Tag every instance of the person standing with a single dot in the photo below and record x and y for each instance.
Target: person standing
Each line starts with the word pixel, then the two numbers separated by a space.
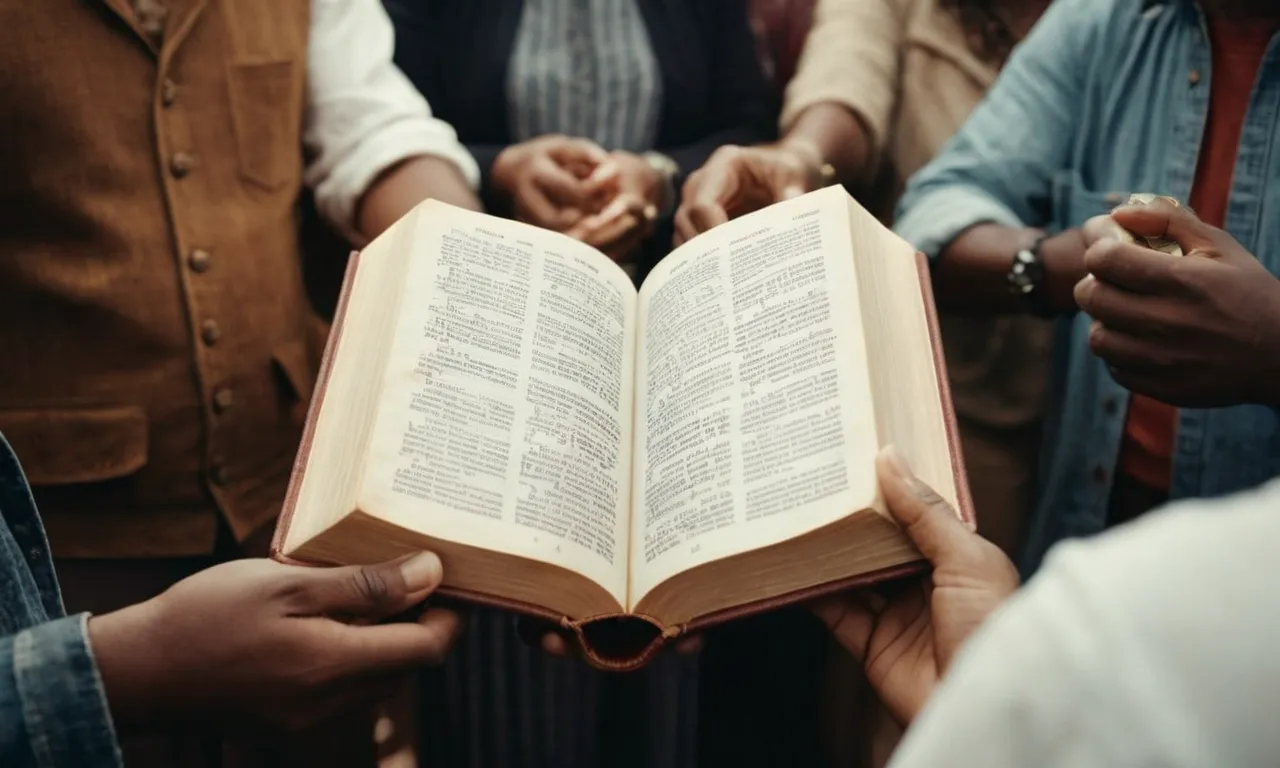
pixel 586 117
pixel 160 348
pixel 1169 387
pixel 880 87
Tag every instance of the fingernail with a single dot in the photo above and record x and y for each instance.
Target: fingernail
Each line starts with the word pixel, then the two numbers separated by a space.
pixel 901 467
pixel 421 571
pixel 791 192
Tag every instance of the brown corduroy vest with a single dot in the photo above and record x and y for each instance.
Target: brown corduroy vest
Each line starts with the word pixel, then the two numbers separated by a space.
pixel 156 345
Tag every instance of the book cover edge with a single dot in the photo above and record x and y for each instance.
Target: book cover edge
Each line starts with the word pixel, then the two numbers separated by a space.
pixel 964 498
pixel 313 413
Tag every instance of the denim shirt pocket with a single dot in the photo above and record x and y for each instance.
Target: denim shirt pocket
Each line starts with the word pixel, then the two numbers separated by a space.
pixel 1074 202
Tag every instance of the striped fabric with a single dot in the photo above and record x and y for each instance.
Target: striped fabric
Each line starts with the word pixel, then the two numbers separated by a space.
pixel 585 68
pixel 497 703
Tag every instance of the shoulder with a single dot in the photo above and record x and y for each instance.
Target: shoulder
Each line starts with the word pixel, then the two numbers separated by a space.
pixel 1072 22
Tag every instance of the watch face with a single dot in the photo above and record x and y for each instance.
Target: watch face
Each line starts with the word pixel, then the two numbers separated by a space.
pixel 1022 277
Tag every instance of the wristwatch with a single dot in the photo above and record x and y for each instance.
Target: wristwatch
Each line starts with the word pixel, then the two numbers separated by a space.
pixel 1026 279
pixel 667 170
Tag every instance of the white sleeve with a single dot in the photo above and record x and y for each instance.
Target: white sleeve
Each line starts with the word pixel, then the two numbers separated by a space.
pixel 363 115
pixel 1151 645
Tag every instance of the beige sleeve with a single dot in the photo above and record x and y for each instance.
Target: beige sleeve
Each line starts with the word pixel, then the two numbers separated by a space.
pixel 851 58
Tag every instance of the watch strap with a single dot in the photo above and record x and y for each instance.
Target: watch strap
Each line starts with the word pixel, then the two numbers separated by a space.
pixel 1026 279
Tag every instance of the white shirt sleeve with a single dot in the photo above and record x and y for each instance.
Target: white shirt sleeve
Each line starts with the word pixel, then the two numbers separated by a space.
pixel 363 115
pixel 1153 645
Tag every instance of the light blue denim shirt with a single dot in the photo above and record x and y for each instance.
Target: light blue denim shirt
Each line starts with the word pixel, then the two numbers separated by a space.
pixel 1105 98
pixel 53 711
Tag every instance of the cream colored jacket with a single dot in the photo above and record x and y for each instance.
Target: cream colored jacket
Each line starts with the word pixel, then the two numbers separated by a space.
pixel 904 67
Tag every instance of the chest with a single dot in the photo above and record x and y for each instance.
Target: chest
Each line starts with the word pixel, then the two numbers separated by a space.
pixel 1146 127
pixel 67 64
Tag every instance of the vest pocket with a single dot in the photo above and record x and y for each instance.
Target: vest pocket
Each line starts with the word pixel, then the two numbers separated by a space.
pixel 296 373
pixel 266 115
pixel 69 446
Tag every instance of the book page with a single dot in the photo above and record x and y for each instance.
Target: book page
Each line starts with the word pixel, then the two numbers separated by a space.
pixel 505 420
pixel 754 420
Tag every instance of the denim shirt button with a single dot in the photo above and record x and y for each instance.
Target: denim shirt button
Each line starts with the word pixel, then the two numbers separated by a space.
pixel 1110 406
pixel 34 554
pixel 1194 77
pixel 1099 474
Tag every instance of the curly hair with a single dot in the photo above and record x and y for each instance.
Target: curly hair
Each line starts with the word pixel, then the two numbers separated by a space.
pixel 987 35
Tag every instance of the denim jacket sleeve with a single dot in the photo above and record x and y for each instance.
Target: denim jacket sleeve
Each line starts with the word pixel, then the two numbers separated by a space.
pixel 53 711
pixel 1000 167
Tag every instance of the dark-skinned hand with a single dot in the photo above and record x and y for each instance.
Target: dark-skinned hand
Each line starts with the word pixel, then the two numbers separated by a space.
pixel 631 190
pixel 738 180
pixel 546 180
pixel 1199 330
pixel 258 644
pixel 907 639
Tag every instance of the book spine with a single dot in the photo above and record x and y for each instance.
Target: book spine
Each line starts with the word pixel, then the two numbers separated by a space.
pixel 313 415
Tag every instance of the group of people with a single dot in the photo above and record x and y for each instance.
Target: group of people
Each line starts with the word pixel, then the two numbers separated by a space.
pixel 153 173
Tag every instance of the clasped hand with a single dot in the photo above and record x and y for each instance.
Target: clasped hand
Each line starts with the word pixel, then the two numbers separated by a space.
pixel 606 200
pixel 1199 330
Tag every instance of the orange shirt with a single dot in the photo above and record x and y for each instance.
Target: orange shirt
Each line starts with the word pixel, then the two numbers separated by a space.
pixel 1146 453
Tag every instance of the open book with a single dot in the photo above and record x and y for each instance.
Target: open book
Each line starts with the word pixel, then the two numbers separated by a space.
pixel 700 449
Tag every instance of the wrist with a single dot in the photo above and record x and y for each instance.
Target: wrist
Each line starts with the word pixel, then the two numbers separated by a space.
pixel 1063 257
pixel 808 155
pixel 127 652
pixel 1026 275
pixel 1044 271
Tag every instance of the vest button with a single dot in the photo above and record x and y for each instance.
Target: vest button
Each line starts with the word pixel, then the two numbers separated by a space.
pixel 218 472
pixel 181 164
pixel 199 260
pixel 223 399
pixel 168 93
pixel 210 332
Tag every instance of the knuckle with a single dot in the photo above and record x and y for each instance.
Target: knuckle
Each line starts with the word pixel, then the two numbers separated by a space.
pixel 930 498
pixel 1101 256
pixel 1096 228
pixel 1188 276
pixel 1097 336
pixel 728 153
pixel 296 595
pixel 371 584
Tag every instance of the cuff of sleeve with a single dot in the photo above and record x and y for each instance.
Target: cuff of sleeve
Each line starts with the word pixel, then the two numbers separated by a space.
pixel 64 704
pixel 931 222
pixel 339 195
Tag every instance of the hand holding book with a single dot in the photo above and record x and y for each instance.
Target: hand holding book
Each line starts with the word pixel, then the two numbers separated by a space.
pixel 971 577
